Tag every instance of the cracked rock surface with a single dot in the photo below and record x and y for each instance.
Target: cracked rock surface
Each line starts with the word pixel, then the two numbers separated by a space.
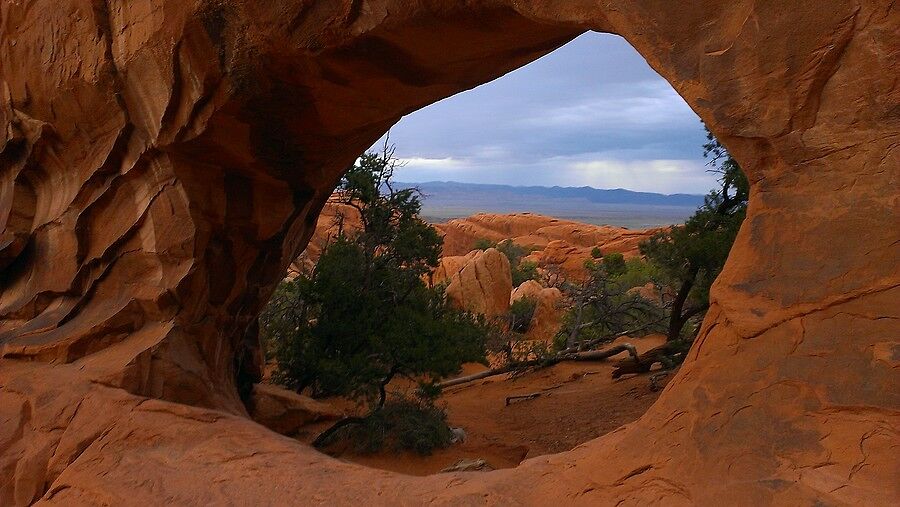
pixel 482 285
pixel 163 161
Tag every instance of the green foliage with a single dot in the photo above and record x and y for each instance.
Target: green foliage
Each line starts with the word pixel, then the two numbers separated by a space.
pixel 526 270
pixel 512 251
pixel 521 270
pixel 403 424
pixel 696 250
pixel 614 264
pixel 521 311
pixel 732 179
pixel 638 273
pixel 279 319
pixel 428 391
pixel 483 244
pixel 511 347
pixel 561 338
pixel 596 253
pixel 364 315
pixel 691 256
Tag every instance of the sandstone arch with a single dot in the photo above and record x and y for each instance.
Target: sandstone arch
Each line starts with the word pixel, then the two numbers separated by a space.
pixel 163 160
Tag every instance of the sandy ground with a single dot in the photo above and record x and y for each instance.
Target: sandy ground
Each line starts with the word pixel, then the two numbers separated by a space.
pixel 577 402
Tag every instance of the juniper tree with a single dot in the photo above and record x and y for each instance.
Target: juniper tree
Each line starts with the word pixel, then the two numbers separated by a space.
pixel 364 316
pixel 692 255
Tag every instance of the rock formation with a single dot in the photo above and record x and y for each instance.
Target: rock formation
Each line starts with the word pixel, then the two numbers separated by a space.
pixel 162 162
pixel 561 245
pixel 285 412
pixel 482 285
pixel 548 312
pixel 533 230
pixel 450 266
pixel 565 259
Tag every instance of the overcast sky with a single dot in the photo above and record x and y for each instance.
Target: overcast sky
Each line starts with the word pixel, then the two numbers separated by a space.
pixel 590 113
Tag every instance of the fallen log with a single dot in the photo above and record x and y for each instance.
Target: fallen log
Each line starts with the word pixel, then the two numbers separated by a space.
pixel 475 376
pixel 590 355
pixel 597 355
pixel 523 397
pixel 668 354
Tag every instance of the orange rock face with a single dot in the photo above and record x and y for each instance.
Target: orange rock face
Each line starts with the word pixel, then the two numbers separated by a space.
pixel 162 163
pixel 482 285
pixel 548 312
pixel 450 266
pixel 561 245
pixel 533 230
pixel 285 412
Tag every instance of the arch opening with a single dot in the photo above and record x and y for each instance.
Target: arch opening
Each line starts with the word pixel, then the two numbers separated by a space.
pixel 591 129
pixel 196 138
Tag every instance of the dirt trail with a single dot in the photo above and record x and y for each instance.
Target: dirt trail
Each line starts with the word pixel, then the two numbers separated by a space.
pixel 578 402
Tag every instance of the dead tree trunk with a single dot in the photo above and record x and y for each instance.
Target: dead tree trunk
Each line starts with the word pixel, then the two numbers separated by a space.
pixel 591 355
pixel 669 354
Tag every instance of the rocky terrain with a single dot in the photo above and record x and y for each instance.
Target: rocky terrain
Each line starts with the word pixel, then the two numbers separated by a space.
pixel 539 232
pixel 483 284
pixel 163 162
pixel 563 244
pixel 574 403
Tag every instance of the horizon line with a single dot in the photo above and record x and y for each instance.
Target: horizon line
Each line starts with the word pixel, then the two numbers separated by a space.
pixel 544 186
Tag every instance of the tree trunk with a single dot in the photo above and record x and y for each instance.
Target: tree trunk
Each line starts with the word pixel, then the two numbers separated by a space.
pixel 382 389
pixel 576 327
pixel 677 320
pixel 475 376
pixel 323 438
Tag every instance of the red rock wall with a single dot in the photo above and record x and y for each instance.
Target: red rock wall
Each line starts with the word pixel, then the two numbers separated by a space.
pixel 163 161
pixel 560 245
pixel 533 230
pixel 482 285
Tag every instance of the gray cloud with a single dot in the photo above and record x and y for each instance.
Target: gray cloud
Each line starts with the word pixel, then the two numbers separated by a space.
pixel 591 113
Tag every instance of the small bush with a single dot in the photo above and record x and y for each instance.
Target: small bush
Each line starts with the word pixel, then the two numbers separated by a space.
pixel 559 341
pixel 521 270
pixel 596 253
pixel 483 244
pixel 526 270
pixel 512 251
pixel 614 264
pixel 402 424
pixel 521 311
pixel 601 307
pixel 638 272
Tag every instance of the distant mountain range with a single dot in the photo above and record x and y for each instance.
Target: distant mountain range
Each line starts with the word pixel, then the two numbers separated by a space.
pixel 443 190
pixel 444 200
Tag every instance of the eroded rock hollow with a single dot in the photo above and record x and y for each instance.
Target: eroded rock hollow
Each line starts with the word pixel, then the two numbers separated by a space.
pixel 163 161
